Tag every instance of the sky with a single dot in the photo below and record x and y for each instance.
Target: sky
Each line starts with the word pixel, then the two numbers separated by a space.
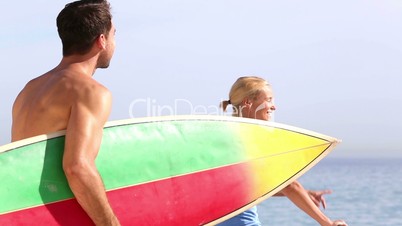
pixel 335 66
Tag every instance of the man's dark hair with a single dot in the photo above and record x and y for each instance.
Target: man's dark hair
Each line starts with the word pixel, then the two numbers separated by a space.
pixel 81 22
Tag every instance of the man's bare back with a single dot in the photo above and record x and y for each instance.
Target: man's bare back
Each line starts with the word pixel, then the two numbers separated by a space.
pixel 44 105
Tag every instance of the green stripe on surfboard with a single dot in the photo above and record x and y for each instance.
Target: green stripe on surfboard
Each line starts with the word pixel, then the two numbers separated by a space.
pixel 161 154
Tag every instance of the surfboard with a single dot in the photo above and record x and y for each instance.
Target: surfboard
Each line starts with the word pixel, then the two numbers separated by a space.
pixel 173 170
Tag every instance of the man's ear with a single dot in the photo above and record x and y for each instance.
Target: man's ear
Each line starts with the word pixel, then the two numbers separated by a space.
pixel 101 41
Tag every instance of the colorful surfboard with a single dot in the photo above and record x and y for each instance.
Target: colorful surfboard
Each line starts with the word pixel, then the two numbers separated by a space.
pixel 180 170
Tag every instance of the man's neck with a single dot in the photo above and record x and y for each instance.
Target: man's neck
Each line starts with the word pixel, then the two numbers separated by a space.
pixel 82 63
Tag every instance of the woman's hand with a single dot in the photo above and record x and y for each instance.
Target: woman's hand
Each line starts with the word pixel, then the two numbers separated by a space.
pixel 318 197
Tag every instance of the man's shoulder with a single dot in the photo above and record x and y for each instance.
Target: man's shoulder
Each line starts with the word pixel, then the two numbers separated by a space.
pixel 93 97
pixel 91 86
pixel 29 88
pixel 90 92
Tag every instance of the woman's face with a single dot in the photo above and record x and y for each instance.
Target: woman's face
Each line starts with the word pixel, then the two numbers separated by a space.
pixel 261 107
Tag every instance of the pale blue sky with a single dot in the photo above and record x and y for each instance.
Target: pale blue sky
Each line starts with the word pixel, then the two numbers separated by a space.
pixel 335 66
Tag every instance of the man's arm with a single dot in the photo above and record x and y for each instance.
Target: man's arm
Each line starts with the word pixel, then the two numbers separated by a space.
pixel 83 138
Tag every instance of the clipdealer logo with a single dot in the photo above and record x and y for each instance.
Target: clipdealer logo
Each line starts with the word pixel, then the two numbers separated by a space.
pixel 180 106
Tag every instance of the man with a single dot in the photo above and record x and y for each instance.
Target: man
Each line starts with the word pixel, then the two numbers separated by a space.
pixel 67 97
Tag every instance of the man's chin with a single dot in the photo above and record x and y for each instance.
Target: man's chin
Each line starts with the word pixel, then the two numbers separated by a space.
pixel 103 66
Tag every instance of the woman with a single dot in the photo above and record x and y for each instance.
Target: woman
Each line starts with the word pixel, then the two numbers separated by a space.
pixel 252 97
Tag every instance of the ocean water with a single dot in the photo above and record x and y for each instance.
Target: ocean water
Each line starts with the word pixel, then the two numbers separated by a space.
pixel 364 192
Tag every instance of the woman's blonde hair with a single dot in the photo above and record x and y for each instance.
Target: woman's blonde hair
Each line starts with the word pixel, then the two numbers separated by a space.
pixel 244 87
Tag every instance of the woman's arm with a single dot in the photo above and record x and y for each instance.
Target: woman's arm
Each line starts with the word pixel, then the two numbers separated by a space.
pixel 309 202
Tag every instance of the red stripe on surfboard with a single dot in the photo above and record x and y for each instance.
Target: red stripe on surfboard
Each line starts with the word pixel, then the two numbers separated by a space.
pixel 191 199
